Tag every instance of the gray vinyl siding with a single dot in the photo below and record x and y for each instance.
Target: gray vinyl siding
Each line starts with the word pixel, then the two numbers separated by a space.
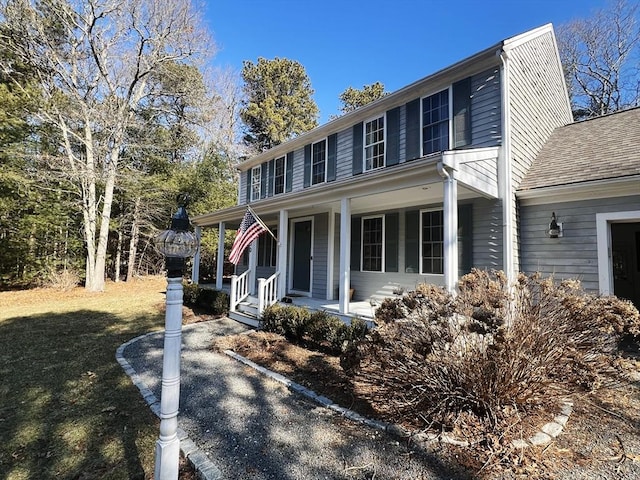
pixel 298 170
pixel 538 100
pixel 242 188
pixel 486 109
pixel 403 134
pixel 320 255
pixel 264 272
pixel 575 255
pixel 487 234
pixel 336 256
pixel 344 154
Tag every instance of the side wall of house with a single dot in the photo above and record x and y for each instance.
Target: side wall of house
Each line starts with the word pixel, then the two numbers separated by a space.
pixel 575 255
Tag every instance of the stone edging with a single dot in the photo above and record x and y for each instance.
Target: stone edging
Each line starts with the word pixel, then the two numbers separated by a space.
pixel 205 468
pixel 548 432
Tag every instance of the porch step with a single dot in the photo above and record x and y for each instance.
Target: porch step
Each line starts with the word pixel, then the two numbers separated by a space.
pixel 248 308
pixel 241 317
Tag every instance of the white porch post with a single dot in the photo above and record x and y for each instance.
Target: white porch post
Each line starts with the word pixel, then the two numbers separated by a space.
pixel 195 270
pixel 283 238
pixel 220 257
pixel 345 254
pixel 450 229
pixel 253 263
pixel 331 253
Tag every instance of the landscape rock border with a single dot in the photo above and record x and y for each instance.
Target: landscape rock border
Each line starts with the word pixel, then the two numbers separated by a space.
pixel 545 435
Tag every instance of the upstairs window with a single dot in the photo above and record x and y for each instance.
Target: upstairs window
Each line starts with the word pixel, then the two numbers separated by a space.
pixel 432 242
pixel 373 244
pixel 435 123
pixel 279 175
pixel 256 176
pixel 318 162
pixel 374 144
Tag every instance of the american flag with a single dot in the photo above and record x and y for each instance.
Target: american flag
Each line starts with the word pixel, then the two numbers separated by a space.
pixel 250 228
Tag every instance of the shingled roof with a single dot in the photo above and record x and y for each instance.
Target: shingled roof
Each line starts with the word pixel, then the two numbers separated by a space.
pixel 601 148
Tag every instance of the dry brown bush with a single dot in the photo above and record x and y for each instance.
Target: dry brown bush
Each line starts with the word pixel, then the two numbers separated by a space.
pixel 493 352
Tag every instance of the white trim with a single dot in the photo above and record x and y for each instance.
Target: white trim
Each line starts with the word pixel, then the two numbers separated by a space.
pixel 326 161
pixel 345 255
pixel 259 183
pixel 369 217
pixel 281 259
pixel 291 256
pixel 382 115
pixel 606 188
pixel 449 90
pixel 505 181
pixel 603 235
pixel 220 257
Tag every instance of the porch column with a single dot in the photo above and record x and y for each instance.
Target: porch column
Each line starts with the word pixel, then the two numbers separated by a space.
pixel 331 254
pixel 450 228
pixel 253 263
pixel 195 270
pixel 281 260
pixel 220 257
pixel 345 254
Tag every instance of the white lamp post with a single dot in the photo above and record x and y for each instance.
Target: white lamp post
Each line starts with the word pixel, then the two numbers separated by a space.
pixel 176 244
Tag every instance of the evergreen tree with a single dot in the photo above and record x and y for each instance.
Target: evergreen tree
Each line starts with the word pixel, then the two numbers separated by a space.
pixel 352 98
pixel 278 104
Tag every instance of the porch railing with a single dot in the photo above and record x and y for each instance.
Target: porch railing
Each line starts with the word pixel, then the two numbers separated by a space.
pixel 239 289
pixel 267 292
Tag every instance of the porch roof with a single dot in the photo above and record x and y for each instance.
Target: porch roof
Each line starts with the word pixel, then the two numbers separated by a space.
pixel 418 181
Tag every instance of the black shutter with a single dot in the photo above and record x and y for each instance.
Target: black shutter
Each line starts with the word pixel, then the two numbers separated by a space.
pixel 272 166
pixel 264 179
pixel 307 165
pixel 412 242
pixel 249 185
pixel 393 137
pixel 356 229
pixel 465 239
pixel 413 129
pixel 357 149
pixel 332 153
pixel 462 113
pixel 289 174
pixel 391 242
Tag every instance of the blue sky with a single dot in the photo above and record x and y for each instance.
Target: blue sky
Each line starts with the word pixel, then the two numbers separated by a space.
pixel 353 43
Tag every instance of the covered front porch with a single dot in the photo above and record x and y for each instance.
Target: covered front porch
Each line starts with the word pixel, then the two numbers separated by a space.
pixel 318 259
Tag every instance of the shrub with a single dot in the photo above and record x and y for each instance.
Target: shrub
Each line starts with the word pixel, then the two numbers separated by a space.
pixel 288 321
pixel 190 293
pixel 489 350
pixel 64 279
pixel 211 301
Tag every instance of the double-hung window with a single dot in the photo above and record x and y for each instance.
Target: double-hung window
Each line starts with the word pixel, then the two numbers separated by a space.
pixel 435 123
pixel 256 176
pixel 432 242
pixel 374 143
pixel 279 175
pixel 373 244
pixel 319 162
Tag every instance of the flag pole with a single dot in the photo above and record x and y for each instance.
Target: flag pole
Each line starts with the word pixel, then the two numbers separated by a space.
pixel 259 220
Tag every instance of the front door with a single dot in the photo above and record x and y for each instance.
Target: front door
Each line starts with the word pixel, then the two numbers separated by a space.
pixel 301 270
pixel 625 249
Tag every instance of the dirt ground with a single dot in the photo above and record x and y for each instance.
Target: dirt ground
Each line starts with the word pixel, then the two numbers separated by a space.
pixel 601 439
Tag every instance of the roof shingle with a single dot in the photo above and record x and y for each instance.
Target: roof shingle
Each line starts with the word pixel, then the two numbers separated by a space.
pixel 601 148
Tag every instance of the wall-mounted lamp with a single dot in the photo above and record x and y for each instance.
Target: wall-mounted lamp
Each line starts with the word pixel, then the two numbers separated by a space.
pixel 555 228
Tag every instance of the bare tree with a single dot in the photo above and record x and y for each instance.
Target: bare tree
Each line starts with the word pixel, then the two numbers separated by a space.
pixel 96 61
pixel 601 58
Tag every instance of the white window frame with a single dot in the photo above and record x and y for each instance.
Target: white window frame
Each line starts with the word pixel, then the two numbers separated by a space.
pixel 383 142
pixel 421 257
pixel 256 186
pixel 449 90
pixel 326 146
pixel 284 174
pixel 382 266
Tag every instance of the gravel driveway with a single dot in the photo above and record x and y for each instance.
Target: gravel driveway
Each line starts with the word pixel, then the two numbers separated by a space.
pixel 251 427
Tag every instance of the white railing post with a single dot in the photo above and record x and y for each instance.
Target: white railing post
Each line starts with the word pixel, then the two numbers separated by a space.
pixel 234 290
pixel 261 295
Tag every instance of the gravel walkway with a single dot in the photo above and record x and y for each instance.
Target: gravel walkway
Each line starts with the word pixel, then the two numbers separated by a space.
pixel 251 427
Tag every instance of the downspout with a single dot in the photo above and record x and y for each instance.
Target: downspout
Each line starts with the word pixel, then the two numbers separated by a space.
pixel 505 175
pixel 450 213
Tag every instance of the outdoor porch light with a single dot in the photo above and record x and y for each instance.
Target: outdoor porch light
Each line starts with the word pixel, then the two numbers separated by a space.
pixel 175 244
pixel 555 228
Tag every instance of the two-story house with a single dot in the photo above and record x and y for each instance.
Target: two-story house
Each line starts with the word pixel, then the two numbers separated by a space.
pixel 418 186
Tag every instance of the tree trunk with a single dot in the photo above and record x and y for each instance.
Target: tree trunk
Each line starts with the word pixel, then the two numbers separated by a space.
pixel 133 241
pixel 116 274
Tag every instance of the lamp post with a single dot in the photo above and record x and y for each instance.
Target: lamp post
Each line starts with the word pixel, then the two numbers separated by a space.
pixel 176 244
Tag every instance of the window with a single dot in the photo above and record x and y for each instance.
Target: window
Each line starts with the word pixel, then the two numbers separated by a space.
pixel 435 123
pixel 374 144
pixel 373 244
pixel 267 250
pixel 432 242
pixel 256 174
pixel 279 175
pixel 318 162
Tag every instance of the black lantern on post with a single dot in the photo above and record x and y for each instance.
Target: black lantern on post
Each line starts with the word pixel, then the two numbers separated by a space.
pixel 177 243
